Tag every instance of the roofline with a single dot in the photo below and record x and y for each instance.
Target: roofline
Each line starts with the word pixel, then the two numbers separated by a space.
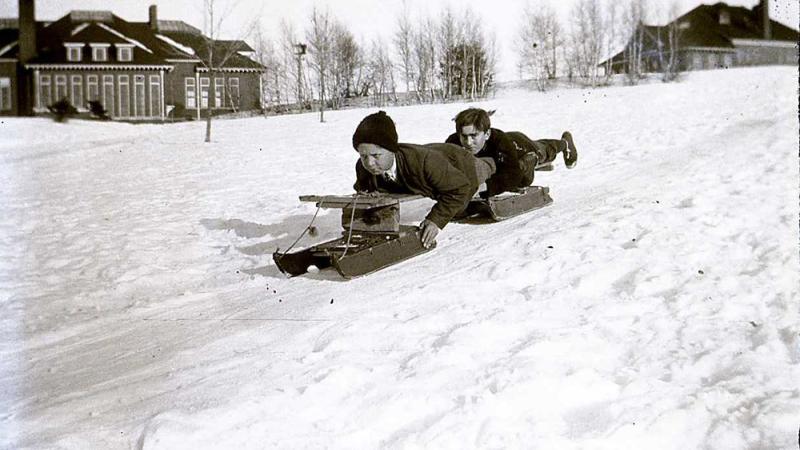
pixel 8 47
pixel 122 36
pixel 231 69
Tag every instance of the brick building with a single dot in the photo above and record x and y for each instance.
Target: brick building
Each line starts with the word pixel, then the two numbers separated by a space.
pixel 137 70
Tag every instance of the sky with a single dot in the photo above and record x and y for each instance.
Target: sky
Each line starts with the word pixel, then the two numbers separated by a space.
pixel 367 19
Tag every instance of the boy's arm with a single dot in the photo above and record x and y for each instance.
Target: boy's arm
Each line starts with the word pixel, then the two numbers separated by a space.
pixel 451 188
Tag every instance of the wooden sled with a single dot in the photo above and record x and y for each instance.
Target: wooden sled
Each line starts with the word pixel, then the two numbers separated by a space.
pixel 372 237
pixel 510 204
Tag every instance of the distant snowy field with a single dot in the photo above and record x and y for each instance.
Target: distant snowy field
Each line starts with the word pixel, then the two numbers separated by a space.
pixel 654 305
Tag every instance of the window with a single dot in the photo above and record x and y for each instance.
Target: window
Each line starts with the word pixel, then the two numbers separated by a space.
pixel 5 94
pixel 724 18
pixel 74 53
pixel 727 60
pixel 233 91
pixel 108 93
pixel 684 25
pixel 61 87
pixel 219 94
pixel 191 93
pixel 204 84
pixel 124 54
pixel 99 54
pixel 77 91
pixel 713 60
pixel 139 96
pixel 124 96
pixel 44 91
pixel 92 91
pixel 155 96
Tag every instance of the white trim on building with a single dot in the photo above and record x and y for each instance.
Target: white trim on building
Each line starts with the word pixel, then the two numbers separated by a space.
pixel 99 66
pixel 763 43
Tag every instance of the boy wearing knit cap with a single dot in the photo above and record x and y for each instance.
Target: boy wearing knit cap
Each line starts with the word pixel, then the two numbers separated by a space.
pixel 443 172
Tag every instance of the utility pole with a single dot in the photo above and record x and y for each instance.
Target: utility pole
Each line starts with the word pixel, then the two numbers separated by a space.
pixel 300 52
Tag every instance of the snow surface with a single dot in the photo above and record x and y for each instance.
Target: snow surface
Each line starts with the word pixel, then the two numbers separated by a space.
pixel 654 305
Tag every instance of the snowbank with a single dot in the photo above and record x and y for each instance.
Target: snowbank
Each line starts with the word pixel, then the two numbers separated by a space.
pixel 653 305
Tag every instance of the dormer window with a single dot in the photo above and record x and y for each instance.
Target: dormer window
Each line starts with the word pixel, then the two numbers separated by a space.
pixel 74 52
pixel 99 52
pixel 724 18
pixel 124 53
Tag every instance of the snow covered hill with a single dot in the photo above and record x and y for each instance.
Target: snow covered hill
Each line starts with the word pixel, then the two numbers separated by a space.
pixel 654 305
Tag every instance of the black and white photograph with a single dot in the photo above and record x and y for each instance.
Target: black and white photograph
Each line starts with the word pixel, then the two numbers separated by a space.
pixel 399 224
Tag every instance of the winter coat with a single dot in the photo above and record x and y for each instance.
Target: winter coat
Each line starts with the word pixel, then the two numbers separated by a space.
pixel 443 172
pixel 506 153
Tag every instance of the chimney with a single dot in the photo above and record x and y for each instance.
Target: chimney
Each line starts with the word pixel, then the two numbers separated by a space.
pixel 153 17
pixel 27 51
pixel 765 19
pixel 27 31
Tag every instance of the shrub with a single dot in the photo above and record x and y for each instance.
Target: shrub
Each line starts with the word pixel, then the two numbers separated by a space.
pixel 62 110
pixel 97 110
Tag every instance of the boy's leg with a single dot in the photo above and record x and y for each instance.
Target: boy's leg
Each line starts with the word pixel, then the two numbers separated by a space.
pixel 529 154
pixel 548 149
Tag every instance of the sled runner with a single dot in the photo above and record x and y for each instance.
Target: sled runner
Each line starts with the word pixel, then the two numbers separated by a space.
pixel 510 204
pixel 372 237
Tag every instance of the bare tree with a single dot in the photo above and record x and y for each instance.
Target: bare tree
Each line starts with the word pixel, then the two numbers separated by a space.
pixel 403 37
pixel 320 44
pixel 587 39
pixel 469 24
pixel 448 34
pixel 633 25
pixel 293 60
pixel 346 60
pixel 467 57
pixel 381 73
pixel 538 40
pixel 668 42
pixel 490 68
pixel 273 91
pixel 450 56
pixel 612 25
pixel 217 53
pixel 423 49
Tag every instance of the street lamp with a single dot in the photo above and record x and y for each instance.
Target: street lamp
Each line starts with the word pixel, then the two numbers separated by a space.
pixel 300 50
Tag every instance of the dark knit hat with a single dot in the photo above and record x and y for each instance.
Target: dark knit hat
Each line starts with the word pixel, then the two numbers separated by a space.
pixel 376 129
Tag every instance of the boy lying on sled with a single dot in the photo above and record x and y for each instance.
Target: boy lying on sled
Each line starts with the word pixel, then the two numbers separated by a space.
pixel 516 156
pixel 443 172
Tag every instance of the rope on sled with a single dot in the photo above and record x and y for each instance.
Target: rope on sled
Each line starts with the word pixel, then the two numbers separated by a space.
pixel 350 228
pixel 306 230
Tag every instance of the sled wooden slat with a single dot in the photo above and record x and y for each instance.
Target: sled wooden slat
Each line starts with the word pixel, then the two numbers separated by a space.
pixel 361 202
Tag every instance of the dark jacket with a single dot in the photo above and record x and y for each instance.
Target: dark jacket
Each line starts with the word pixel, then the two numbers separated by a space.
pixel 443 172
pixel 506 154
